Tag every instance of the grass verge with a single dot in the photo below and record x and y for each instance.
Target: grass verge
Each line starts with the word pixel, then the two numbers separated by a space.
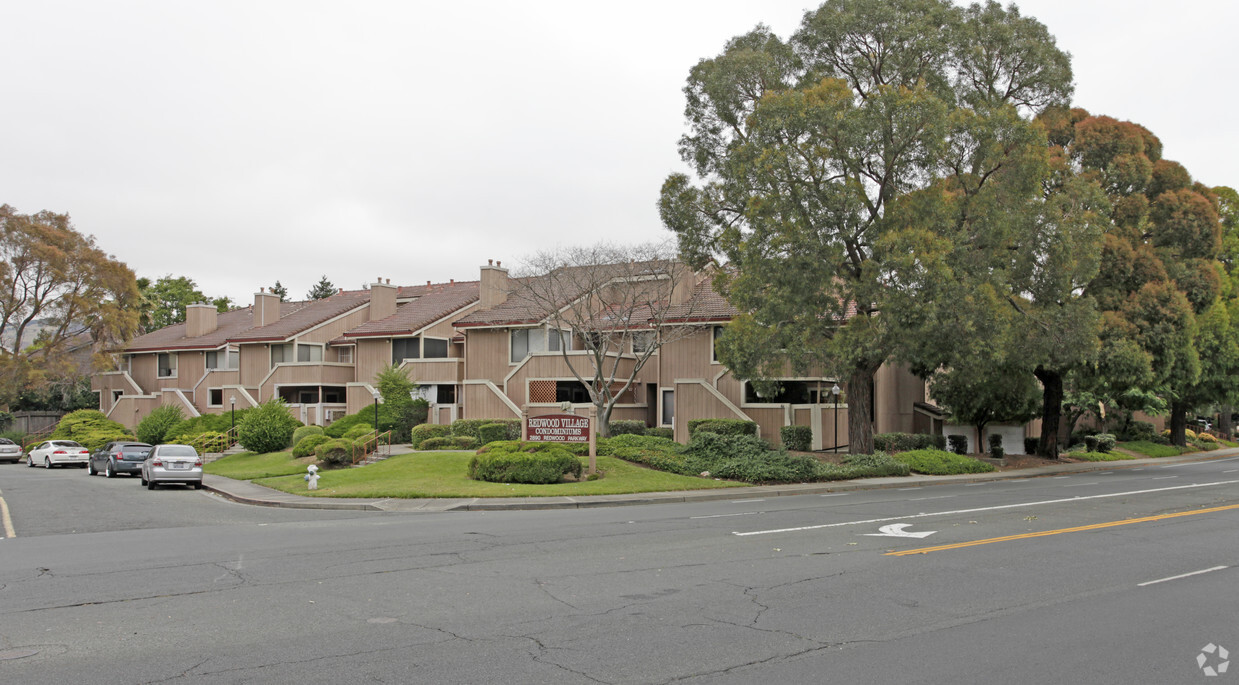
pixel 1151 449
pixel 1098 456
pixel 442 474
pixel 248 466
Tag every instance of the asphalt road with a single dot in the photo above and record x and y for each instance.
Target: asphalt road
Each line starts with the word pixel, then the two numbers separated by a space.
pixel 1111 577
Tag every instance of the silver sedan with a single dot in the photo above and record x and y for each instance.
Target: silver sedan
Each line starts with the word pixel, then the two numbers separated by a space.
pixel 58 453
pixel 172 464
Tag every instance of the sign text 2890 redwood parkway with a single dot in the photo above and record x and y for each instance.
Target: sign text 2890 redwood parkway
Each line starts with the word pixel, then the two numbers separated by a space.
pixel 557 428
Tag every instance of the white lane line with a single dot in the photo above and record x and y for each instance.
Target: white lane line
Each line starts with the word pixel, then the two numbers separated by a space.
pixel 1076 485
pixel 907 489
pixel 919 499
pixel 1184 575
pixel 1164 477
pixel 972 485
pixel 1104 473
pixel 719 516
pixel 1231 471
pixel 6 520
pixel 1060 477
pixel 746 501
pixel 837 494
pixel 1077 498
pixel 1139 469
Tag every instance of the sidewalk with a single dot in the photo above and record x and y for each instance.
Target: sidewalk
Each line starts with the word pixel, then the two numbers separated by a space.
pixel 246 492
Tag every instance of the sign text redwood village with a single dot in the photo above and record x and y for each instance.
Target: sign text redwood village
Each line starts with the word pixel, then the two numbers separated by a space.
pixel 557 428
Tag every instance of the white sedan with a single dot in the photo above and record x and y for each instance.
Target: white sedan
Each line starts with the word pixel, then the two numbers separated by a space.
pixel 58 453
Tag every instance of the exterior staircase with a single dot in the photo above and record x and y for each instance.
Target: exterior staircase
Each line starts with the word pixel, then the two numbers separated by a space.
pixel 212 456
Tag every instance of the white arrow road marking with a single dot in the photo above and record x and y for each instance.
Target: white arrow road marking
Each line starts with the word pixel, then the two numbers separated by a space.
pixel 896 530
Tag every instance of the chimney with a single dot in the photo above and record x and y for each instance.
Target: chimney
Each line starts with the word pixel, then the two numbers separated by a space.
pixel 382 299
pixel 685 282
pixel 493 285
pixel 266 308
pixel 200 319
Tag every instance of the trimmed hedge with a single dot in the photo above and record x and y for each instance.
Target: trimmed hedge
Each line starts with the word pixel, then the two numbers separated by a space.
pixel 1106 441
pixel 722 426
pixel 995 446
pixel 959 443
pixel 451 442
pixel 335 452
pixel 1030 445
pixel 267 428
pixel 903 442
pixel 538 464
pixel 626 428
pixel 304 432
pixel 797 438
pixel 941 463
pixel 426 431
pixel 307 445
pixel 491 432
pixel 469 427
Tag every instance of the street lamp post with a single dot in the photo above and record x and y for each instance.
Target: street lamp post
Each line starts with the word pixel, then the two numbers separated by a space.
pixel 232 400
pixel 376 412
pixel 834 391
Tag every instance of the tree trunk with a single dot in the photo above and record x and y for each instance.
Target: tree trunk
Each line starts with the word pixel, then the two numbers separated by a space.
pixel 860 404
pixel 1178 424
pixel 1223 421
pixel 1051 410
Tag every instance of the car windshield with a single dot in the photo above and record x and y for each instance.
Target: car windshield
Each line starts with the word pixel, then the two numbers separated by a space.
pixel 6 441
pixel 65 443
pixel 135 449
pixel 177 451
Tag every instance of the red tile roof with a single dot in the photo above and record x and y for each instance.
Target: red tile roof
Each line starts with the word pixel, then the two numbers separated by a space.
pixel 308 315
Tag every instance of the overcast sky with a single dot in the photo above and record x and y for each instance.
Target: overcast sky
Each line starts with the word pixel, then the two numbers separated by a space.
pixel 237 143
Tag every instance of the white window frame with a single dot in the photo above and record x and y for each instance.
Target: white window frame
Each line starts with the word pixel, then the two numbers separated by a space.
pixel 310 346
pixel 345 354
pixel 447 347
pixel 171 365
pixel 290 347
pixel 221 397
pixel 651 336
pixel 663 394
pixel 715 332
pixel 563 340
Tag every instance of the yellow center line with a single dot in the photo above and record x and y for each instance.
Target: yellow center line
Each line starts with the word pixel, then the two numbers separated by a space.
pixel 1044 533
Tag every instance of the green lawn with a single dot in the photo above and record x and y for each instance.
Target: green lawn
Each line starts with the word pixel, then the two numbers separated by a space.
pixel 247 465
pixel 442 474
pixel 1151 449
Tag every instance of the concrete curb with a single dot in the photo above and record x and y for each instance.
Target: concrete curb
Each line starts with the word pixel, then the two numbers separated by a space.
pixel 245 492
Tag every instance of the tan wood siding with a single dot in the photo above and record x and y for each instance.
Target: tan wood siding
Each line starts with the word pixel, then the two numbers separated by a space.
pixel 426 371
pixel 486 355
pixel 481 403
pixel 143 372
pixel 689 358
pixel 255 363
pixel 372 357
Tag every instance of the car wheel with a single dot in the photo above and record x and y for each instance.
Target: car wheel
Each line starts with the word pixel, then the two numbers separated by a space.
pixel 30 462
pixel 198 485
pixel 110 472
pixel 150 485
pixel 90 468
pixel 47 462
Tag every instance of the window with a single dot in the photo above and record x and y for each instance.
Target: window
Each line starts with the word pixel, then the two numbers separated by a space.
pixel 116 395
pixel 344 355
pixel 281 354
pixel 445 394
pixel 526 341
pixel 405 348
pixel 215 397
pixel 718 333
pixel 571 391
pixel 167 365
pixel 309 353
pixel 791 392
pixel 434 348
pixel 642 341
pixel 222 359
pixel 668 413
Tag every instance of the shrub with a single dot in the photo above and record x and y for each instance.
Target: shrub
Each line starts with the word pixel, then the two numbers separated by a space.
pixel 399 409
pixel 1030 445
pixel 340 426
pixel 469 427
pixel 995 446
pixel 1139 430
pixel 1202 437
pixel 626 428
pixel 544 466
pixel 307 445
pixel 772 467
pixel 1191 434
pixel 90 428
pixel 335 452
pixel 959 443
pixel 267 428
pixel 661 432
pixel 426 431
pixel 723 426
pixel 798 438
pixel 357 431
pixel 1105 442
pixel 451 442
pixel 208 441
pixel 16 436
pixel 185 431
pixel 1090 443
pixel 942 463
pixel 304 432
pixel 157 423
pixel 902 442
pixel 491 432
pixel 877 465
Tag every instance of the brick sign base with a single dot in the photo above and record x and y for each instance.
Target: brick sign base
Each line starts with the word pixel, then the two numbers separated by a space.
pixel 557 428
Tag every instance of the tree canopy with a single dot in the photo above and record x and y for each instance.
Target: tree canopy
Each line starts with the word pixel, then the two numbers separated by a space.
pixel 321 290
pixel 864 178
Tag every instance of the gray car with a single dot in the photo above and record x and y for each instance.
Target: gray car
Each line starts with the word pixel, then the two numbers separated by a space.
pixel 10 451
pixel 172 464
pixel 118 457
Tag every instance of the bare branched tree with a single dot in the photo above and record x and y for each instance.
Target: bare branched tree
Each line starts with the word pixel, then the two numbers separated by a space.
pixel 616 306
